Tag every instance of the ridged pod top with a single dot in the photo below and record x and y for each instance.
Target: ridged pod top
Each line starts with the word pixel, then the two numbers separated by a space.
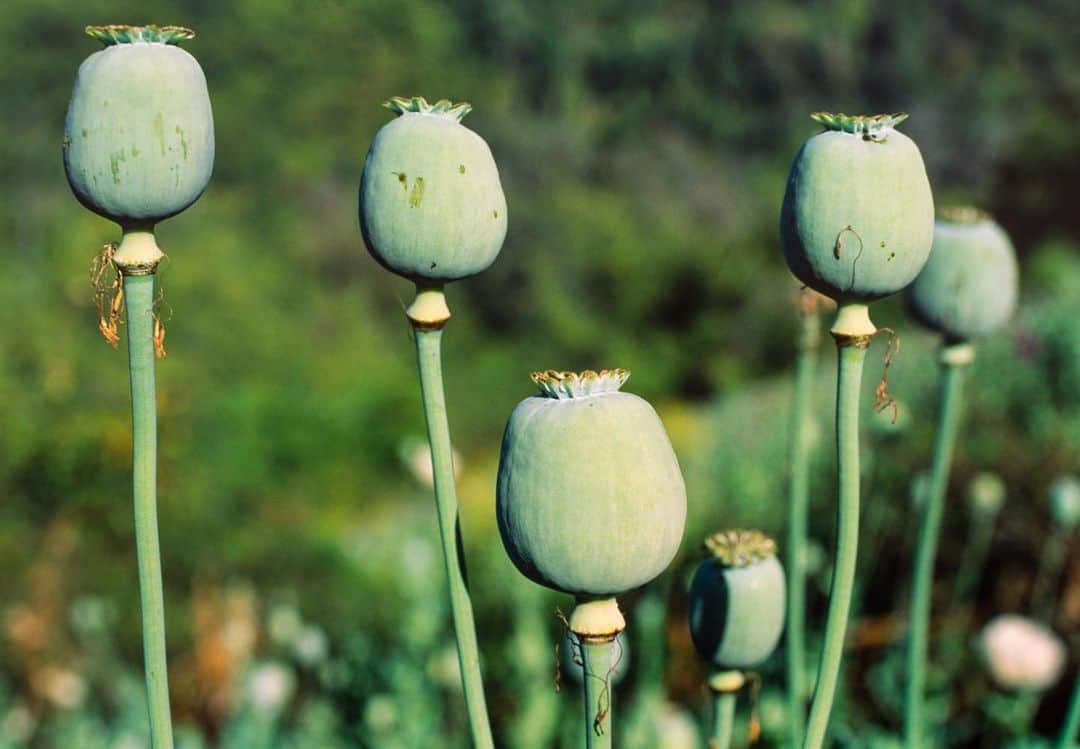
pixel 121 34
pixel 419 105
pixel 566 385
pixel 740 548
pixel 871 127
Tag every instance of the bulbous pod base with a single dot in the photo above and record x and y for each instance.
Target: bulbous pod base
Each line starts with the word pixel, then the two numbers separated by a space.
pixel 857 218
pixel 139 133
pixel 431 204
pixel 737 599
pixel 590 499
pixel 969 286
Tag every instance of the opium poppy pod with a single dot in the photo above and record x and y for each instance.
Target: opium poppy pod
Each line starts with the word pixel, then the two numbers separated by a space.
pixel 736 608
pixel 139 134
pixel 858 215
pixel 590 499
pixel 969 285
pixel 431 204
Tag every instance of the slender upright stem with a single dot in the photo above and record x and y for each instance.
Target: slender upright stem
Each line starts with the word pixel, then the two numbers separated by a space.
pixel 597 655
pixel 952 376
pixel 428 355
pixel 1051 563
pixel 798 502
pixel 139 298
pixel 973 559
pixel 723 723
pixel 1069 730
pixel 852 353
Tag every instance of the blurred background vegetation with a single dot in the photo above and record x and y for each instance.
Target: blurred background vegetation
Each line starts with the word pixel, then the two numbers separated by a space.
pixel 643 147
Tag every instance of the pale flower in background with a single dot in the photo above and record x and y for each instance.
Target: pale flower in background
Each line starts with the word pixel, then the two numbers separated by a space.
pixel 415 453
pixel 380 713
pixel 19 724
pixel 676 728
pixel 311 646
pixel 270 687
pixel 284 625
pixel 1021 653
pixel 65 689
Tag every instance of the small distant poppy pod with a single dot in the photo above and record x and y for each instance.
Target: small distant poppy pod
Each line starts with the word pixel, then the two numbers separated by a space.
pixel 139 134
pixel 431 204
pixel 969 286
pixel 737 600
pixel 1065 502
pixel 858 215
pixel 590 499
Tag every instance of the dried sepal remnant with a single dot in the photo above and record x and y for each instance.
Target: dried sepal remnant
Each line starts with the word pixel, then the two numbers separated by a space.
pixel 419 105
pixel 871 127
pixel 740 548
pixel 562 385
pixel 121 34
pixel 106 279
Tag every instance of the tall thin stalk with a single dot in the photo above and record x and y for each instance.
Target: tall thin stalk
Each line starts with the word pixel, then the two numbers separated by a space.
pixel 723 713
pixel 798 502
pixel 852 331
pixel 139 299
pixel 428 315
pixel 954 361
pixel 1051 562
pixel 597 654
pixel 1069 730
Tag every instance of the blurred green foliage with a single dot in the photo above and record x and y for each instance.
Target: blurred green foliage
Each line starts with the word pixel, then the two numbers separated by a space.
pixel 643 147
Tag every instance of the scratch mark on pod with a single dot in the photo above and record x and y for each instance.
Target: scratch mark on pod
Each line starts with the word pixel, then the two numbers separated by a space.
pixel 135 152
pixel 114 165
pixel 461 168
pixel 183 143
pixel 159 131
pixel 417 194
pixel 85 132
pixel 855 262
pixel 403 179
pixel 839 244
pixel 495 214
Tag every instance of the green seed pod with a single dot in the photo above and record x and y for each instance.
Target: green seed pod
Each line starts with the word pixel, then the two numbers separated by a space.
pixel 1065 502
pixel 858 215
pixel 969 285
pixel 431 205
pixel 590 499
pixel 139 134
pixel 737 600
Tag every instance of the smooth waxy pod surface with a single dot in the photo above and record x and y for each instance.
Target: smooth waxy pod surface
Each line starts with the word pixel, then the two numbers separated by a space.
pixel 431 204
pixel 969 286
pixel 590 498
pixel 139 134
pixel 858 215
pixel 737 599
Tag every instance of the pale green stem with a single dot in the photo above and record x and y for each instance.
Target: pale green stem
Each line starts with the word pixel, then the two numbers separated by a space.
pixel 428 355
pixel 1069 730
pixel 952 377
pixel 597 659
pixel 852 354
pixel 139 300
pixel 723 720
pixel 1051 564
pixel 798 502
pixel 974 558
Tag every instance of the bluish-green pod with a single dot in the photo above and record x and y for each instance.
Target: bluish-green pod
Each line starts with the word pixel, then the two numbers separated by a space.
pixel 969 286
pixel 590 498
pixel 737 599
pixel 858 215
pixel 1065 502
pixel 431 204
pixel 139 134
pixel 986 494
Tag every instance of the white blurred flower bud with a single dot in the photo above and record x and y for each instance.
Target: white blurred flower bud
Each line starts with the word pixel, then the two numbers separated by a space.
pixel 1021 653
pixel 65 689
pixel 676 728
pixel 380 713
pixel 270 687
pixel 1065 501
pixel 415 453
pixel 284 625
pixel 986 493
pixel 311 646
pixel 19 724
